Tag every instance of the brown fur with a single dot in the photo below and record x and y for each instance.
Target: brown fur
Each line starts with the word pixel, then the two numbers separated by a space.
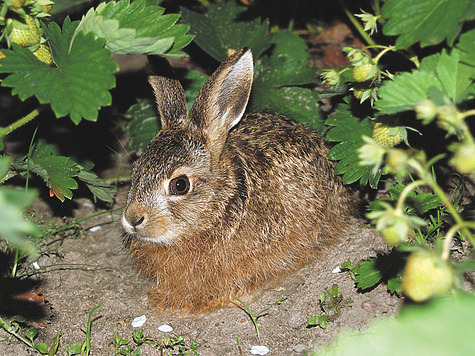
pixel 264 199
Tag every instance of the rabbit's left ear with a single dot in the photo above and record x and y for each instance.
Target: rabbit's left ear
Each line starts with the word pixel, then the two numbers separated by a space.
pixel 221 102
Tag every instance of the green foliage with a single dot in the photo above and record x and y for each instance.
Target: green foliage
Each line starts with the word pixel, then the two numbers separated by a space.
pixel 442 71
pixel 78 86
pixel 136 28
pixel 318 320
pixel 13 226
pixel 219 30
pixel 60 173
pixel 348 131
pixel 429 329
pixel 426 21
pixel 277 79
pixel 144 124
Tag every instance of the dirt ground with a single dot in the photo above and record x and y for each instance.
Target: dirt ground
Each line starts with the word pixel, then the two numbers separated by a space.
pixel 97 270
pixel 104 274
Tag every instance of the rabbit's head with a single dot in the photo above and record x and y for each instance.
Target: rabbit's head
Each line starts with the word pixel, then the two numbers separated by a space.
pixel 179 174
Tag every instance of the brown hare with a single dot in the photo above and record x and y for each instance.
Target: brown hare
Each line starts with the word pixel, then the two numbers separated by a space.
pixel 223 203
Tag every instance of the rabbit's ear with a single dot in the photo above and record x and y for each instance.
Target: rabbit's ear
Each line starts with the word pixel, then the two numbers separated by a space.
pixel 171 101
pixel 222 101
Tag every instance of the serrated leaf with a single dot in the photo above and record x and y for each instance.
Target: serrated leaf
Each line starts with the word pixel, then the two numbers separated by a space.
pixel 289 44
pixel 405 91
pixel 100 189
pixel 348 131
pixel 426 21
pixel 144 125
pixel 367 274
pixel 13 226
pixel 442 71
pixel 298 103
pixel 60 170
pixel 466 46
pixel 395 285
pixel 79 84
pixel 135 28
pixel 219 30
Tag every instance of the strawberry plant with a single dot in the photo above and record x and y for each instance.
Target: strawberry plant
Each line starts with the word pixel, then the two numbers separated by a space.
pixel 433 92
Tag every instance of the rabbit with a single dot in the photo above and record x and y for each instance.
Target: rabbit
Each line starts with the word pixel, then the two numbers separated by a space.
pixel 222 204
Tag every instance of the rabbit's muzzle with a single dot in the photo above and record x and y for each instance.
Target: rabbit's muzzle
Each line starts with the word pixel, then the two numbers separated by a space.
pixel 140 222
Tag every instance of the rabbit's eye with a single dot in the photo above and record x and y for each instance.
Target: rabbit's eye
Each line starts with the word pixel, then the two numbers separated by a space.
pixel 179 185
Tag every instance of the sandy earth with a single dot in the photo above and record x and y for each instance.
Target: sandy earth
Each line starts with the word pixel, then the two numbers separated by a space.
pixel 107 276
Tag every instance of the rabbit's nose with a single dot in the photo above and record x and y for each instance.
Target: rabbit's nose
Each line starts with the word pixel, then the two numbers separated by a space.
pixel 133 217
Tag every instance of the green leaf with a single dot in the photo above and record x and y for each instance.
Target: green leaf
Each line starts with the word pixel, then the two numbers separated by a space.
pixel 136 28
pixel 426 21
pixel 455 76
pixel 395 285
pixel 466 47
pixel 405 91
pixel 42 348
pixel 5 163
pixel 13 226
pixel 56 171
pixel 219 30
pixel 442 71
pixel 100 189
pixel 298 103
pixel 276 78
pixel 367 274
pixel 318 320
pixel 79 84
pixel 435 328
pixel 54 345
pixel 348 131
pixel 192 83
pixel 144 125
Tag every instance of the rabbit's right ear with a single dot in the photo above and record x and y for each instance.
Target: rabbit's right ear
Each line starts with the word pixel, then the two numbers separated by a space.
pixel 221 102
pixel 171 101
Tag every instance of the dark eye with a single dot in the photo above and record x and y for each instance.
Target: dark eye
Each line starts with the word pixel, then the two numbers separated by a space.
pixel 179 185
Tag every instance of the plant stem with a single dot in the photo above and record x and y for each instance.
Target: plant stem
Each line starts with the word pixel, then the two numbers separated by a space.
pixel 408 189
pixel 9 330
pixel 19 123
pixel 76 222
pixel 357 25
pixel 450 235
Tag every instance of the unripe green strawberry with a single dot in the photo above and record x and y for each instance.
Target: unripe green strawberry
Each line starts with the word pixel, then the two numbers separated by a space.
pixel 25 37
pixel 43 54
pixel 364 72
pixel 387 136
pixel 425 276
pixel 358 93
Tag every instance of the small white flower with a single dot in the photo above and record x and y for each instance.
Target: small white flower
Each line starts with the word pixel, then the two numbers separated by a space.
pixel 165 328
pixel 36 265
pixel 337 269
pixel 259 350
pixel 139 321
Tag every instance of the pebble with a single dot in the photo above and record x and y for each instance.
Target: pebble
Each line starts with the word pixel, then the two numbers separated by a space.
pixel 95 228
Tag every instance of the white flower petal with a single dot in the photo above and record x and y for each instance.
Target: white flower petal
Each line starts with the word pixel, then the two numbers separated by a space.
pixel 259 350
pixel 165 328
pixel 139 321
